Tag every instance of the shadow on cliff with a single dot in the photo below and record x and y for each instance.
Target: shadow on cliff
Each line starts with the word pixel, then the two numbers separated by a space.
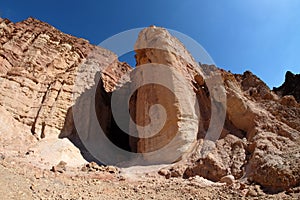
pixel 77 121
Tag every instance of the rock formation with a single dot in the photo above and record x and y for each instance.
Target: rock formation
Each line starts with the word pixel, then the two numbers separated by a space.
pixel 51 80
pixel 38 71
pixel 291 86
pixel 163 59
pixel 39 67
pixel 253 149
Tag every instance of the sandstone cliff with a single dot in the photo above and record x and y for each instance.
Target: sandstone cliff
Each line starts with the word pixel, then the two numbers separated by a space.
pixel 258 140
pixel 39 67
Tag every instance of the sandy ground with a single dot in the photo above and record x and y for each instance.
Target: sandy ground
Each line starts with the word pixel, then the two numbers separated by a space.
pixel 21 180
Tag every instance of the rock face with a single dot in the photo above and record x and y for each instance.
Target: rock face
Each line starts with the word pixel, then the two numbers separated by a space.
pixel 38 70
pixel 49 79
pixel 291 86
pixel 164 60
pixel 261 145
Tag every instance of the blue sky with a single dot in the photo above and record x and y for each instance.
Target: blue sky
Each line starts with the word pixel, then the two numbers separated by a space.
pixel 258 35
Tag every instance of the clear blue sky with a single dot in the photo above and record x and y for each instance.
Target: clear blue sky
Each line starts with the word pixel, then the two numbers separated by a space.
pixel 258 35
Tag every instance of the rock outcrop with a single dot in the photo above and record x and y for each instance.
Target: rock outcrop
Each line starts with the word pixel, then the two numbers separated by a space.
pixel 291 86
pixel 38 71
pixel 161 58
pixel 252 147
pixel 50 81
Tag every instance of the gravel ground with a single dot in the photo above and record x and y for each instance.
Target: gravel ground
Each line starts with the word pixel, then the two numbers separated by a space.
pixel 21 180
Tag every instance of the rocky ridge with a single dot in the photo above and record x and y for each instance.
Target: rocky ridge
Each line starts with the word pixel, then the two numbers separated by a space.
pixel 259 141
pixel 289 87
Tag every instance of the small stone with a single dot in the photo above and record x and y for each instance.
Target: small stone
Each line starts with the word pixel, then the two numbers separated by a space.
pixel 175 173
pixel 93 167
pixel 30 152
pixel 122 178
pixel 242 186
pixel 163 172
pixel 258 190
pixel 46 174
pixel 112 169
pixel 2 156
pixel 229 179
pixel 60 167
pixel 32 187
pixel 93 164
pixel 84 169
pixel 38 175
pixel 135 190
pixel 251 192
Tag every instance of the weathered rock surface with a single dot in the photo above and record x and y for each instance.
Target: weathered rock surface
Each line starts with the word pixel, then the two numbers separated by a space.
pixel 275 161
pixel 266 149
pixel 49 79
pixel 39 67
pixel 37 73
pixel 164 60
pixel 291 86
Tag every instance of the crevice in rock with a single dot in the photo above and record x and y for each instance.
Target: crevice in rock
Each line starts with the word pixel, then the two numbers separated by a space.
pixel 43 130
pixel 58 92
pixel 33 127
pixel 112 130
pixel 35 37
